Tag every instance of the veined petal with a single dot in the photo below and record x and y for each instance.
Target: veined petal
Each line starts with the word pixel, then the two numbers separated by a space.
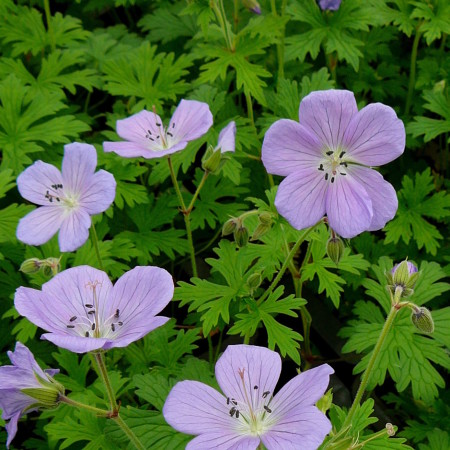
pixel 77 344
pixel 141 128
pixel 221 441
pixel 227 138
pixel 348 205
pixel 99 193
pixel 327 114
pixel 74 230
pixel 130 149
pixel 78 166
pixel 195 408
pixel 242 367
pixel 23 358
pixel 40 225
pixel 301 198
pixel 375 136
pixel 190 120
pixel 302 428
pixel 381 193
pixel 289 147
pixel 11 427
pixel 34 182
pixel 14 378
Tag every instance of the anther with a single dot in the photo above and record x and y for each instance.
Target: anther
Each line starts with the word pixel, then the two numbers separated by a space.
pixel 232 411
pixel 158 124
pixel 326 176
pixel 117 313
pixel 70 326
pixel 93 326
pixel 228 400
pixel 233 401
pixel 332 179
pixel 113 327
pixel 237 414
pixel 88 305
pixel 169 134
pixel 340 173
pixel 120 324
pixel 321 167
pixel 92 311
pixel 173 125
pixel 255 387
pixel 72 319
pixel 341 154
pixel 329 153
pixel 86 334
pixel 265 394
pixel 267 409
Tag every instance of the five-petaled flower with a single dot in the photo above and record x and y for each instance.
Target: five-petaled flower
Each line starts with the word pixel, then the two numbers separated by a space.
pixel 25 387
pixel 146 136
pixel 67 198
pixel 249 412
pixel 326 159
pixel 83 311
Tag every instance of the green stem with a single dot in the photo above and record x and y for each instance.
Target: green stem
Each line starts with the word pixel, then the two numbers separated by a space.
pixel 48 18
pixel 280 45
pixel 175 185
pixel 236 16
pixel 95 244
pixel 248 100
pixel 105 378
pixel 287 262
pixel 366 376
pixel 220 14
pixel 247 338
pixel 412 70
pixel 75 404
pixel 219 345
pixel 126 429
pixel 199 187
pixel 210 351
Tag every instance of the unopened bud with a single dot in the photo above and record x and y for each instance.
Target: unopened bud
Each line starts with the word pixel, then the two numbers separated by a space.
pixel 390 429
pixel 254 281
pixel 402 279
pixel 31 265
pixel 48 395
pixel 324 403
pixel 260 231
pixel 335 249
pixel 229 226
pixel 422 320
pixel 252 5
pixel 265 218
pixel 51 266
pixel 241 236
pixel 211 160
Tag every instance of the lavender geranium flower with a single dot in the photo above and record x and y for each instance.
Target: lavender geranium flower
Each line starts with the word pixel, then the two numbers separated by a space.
pixel 146 136
pixel 331 5
pixel 25 387
pixel 83 311
pixel 227 138
pixel 249 412
pixel 68 198
pixel 326 159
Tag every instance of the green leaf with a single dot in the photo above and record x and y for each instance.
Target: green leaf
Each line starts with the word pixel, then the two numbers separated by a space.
pixel 76 367
pixel 416 203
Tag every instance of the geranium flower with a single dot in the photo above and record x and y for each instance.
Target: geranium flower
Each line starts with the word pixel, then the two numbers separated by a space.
pixel 83 311
pixel 227 138
pixel 68 198
pixel 25 387
pixel 331 5
pixel 326 159
pixel 249 412
pixel 146 136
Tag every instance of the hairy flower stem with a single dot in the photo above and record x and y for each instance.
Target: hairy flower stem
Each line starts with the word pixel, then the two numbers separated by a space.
pixel 187 220
pixel 287 262
pixel 219 11
pixel 412 70
pixel 126 429
pixel 199 188
pixel 248 99
pixel 48 18
pixel 366 376
pixel 94 238
pixel 99 412
pixel 99 359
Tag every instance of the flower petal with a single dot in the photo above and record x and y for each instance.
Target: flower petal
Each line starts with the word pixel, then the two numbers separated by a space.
pixel 260 366
pixel 375 136
pixel 23 358
pixel 227 138
pixel 40 225
pixel 221 441
pixel 304 427
pixel 140 127
pixel 34 182
pixel 301 198
pixel 99 193
pixel 74 230
pixel 327 114
pixel 78 166
pixel 11 428
pixel 129 150
pixel 77 344
pixel 190 120
pixel 381 193
pixel 13 401
pixel 289 147
pixel 195 408
pixel 348 205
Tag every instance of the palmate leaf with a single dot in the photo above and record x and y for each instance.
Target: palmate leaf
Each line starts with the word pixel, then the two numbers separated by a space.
pixel 415 204
pixel 434 18
pixel 406 354
pixel 150 76
pixel 27 121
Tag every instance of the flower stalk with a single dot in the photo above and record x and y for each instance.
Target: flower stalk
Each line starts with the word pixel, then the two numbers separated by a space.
pixel 412 70
pixel 94 239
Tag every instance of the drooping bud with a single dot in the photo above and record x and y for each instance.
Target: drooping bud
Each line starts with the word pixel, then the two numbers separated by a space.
pixel 229 226
pixel 211 160
pixel 241 235
pixel 254 281
pixel 51 266
pixel 265 218
pixel 260 231
pixel 31 265
pixel 335 249
pixel 422 320
pixel 48 395
pixel 252 5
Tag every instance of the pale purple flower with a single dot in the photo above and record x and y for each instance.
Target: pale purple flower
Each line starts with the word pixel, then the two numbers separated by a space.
pixel 227 138
pixel 146 136
pixel 331 5
pixel 83 311
pixel 67 198
pixel 326 159
pixel 249 412
pixel 25 375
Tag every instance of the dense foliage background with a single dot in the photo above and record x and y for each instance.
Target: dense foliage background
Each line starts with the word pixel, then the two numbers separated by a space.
pixel 70 70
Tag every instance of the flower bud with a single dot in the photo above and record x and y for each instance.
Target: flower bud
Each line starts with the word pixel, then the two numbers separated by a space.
pixel 241 236
pixel 31 265
pixel 211 160
pixel 252 5
pixel 265 218
pixel 254 281
pixel 335 249
pixel 422 320
pixel 229 226
pixel 260 231
pixel 324 403
pixel 51 266
pixel 402 279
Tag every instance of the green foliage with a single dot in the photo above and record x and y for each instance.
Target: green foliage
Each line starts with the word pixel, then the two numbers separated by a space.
pixel 416 203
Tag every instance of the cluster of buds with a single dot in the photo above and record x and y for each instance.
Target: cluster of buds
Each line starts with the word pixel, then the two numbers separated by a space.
pixel 49 267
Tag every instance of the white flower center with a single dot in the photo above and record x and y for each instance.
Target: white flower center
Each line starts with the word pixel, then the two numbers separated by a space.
pixel 163 138
pixel 58 196
pixel 334 163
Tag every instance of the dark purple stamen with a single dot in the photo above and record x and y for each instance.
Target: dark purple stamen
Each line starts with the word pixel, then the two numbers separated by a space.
pixel 86 334
pixel 267 409
pixel 88 305
pixel 72 319
pixel 326 176
pixel 265 394
pixel 70 326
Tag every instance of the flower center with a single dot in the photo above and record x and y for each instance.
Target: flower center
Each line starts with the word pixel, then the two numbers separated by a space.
pixel 162 138
pixel 333 164
pixel 253 411
pixel 90 323
pixel 57 195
